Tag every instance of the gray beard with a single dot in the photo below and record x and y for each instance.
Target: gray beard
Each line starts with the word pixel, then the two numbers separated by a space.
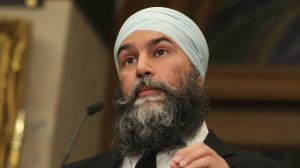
pixel 158 122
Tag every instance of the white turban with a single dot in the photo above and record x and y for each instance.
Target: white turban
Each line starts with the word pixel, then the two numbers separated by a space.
pixel 174 24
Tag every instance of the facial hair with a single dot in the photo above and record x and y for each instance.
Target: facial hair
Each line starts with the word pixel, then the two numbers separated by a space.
pixel 158 122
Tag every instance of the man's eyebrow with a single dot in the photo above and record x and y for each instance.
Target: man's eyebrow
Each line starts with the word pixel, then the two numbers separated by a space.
pixel 158 40
pixel 124 47
pixel 150 43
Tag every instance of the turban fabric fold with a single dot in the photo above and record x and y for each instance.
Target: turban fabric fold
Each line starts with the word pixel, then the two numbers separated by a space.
pixel 174 24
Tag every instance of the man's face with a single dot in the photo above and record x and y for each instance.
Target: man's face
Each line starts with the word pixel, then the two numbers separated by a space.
pixel 154 54
pixel 160 103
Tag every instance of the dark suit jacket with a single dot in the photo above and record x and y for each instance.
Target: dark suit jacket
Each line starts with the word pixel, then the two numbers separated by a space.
pixel 236 158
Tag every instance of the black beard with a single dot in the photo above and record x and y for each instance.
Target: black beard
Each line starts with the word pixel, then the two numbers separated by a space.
pixel 183 113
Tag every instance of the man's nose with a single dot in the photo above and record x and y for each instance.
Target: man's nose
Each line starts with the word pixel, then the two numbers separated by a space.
pixel 144 66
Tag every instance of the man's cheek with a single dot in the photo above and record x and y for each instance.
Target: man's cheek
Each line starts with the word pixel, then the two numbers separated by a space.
pixel 125 88
pixel 126 83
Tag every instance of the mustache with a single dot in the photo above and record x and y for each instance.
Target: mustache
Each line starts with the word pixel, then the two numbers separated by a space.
pixel 148 81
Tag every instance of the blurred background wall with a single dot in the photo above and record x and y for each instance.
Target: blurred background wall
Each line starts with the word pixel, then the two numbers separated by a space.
pixel 253 79
pixel 66 72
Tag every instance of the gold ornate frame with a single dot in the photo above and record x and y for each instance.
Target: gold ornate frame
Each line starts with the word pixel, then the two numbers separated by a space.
pixel 14 38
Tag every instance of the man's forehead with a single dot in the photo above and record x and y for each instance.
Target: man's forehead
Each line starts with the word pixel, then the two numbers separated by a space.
pixel 148 36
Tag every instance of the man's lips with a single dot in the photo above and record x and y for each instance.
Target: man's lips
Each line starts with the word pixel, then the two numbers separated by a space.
pixel 145 90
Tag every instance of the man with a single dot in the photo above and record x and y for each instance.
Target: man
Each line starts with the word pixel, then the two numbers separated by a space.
pixel 161 57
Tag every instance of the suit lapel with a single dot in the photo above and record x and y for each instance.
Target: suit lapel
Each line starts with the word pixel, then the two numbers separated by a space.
pixel 220 147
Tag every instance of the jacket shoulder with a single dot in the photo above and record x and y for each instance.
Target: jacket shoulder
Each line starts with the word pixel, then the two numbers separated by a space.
pixel 105 159
pixel 247 159
pixel 239 158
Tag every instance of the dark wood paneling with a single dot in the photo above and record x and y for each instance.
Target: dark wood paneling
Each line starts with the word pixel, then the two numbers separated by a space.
pixel 257 107
pixel 250 82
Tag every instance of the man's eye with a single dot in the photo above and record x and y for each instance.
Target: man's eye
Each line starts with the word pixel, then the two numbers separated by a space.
pixel 160 52
pixel 129 61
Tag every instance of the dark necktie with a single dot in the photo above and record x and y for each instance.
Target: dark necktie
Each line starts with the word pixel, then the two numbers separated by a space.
pixel 147 161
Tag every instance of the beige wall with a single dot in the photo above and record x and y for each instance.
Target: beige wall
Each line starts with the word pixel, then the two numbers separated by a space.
pixel 66 73
pixel 83 83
